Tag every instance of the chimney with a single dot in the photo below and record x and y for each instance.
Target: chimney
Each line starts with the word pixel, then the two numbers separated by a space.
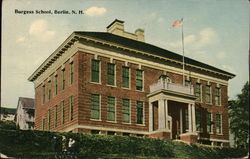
pixel 139 34
pixel 116 27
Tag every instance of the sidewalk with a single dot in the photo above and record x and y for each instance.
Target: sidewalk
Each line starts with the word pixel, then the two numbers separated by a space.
pixel 2 156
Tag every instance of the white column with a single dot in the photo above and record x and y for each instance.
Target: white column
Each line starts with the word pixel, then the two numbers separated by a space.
pixel 181 124
pixel 161 114
pixel 193 116
pixel 150 117
pixel 166 113
pixel 189 118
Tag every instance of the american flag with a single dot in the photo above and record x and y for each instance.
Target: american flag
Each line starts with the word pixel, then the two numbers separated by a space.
pixel 178 22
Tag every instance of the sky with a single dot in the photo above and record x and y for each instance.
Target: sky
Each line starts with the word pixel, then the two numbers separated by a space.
pixel 216 32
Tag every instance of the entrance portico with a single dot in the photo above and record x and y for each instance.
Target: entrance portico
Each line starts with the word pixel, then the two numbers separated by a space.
pixel 172 111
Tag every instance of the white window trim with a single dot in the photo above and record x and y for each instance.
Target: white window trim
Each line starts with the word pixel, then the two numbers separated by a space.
pixel 115 111
pixel 142 81
pixel 220 96
pixel 114 76
pixel 130 101
pixel 100 74
pixel 43 99
pixel 71 63
pixel 200 101
pixel 212 125
pixel 100 117
pixel 220 126
pixel 129 79
pixel 54 86
pixel 63 79
pixel 210 102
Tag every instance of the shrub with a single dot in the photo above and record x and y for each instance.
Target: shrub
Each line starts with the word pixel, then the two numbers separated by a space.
pixel 41 144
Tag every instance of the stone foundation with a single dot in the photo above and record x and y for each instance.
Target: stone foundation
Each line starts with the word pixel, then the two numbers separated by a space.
pixel 189 137
pixel 161 134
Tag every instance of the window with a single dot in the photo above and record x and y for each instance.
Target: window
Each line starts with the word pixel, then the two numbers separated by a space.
pixel 139 80
pixel 71 73
pixel 139 106
pixel 43 94
pixel 49 90
pixel 111 109
pixel 63 79
pixel 71 107
pixel 95 132
pixel 217 96
pixel 95 106
pixel 55 116
pixel 208 94
pixel 63 112
pixel 198 91
pixel 125 77
pixel 48 116
pixel 209 122
pixel 218 124
pixel 139 135
pixel 126 110
pixel 111 74
pixel 125 134
pixel 95 69
pixel 186 119
pixel 187 83
pixel 56 85
pixel 43 124
pixel 110 133
pixel 198 116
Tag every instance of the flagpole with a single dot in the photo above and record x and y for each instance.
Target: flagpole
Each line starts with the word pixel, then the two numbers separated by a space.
pixel 183 60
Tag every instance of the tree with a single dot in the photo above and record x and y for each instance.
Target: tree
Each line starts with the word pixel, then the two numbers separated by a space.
pixel 239 117
pixel 10 125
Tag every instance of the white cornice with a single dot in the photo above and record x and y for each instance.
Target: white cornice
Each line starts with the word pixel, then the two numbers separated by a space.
pixel 75 37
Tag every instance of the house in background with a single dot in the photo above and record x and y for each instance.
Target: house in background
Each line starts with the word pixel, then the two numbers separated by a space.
pixel 25 113
pixel 115 83
pixel 7 113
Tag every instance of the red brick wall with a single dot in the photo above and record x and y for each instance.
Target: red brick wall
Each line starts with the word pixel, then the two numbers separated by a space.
pixel 70 90
pixel 82 90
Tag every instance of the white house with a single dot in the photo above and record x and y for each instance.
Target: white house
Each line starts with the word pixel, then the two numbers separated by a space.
pixel 25 113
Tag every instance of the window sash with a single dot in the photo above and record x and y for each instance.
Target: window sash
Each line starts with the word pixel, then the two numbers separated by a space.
pixel 71 108
pixel 43 123
pixel 217 96
pixel 198 116
pixel 111 74
pixel 95 106
pixel 198 91
pixel 55 116
pixel 218 124
pixel 63 79
pixel 187 83
pixel 139 105
pixel 43 94
pixel 186 119
pixel 95 69
pixel 49 90
pixel 126 110
pixel 125 77
pixel 208 94
pixel 209 122
pixel 48 116
pixel 63 112
pixel 56 85
pixel 71 72
pixel 139 80
pixel 111 109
